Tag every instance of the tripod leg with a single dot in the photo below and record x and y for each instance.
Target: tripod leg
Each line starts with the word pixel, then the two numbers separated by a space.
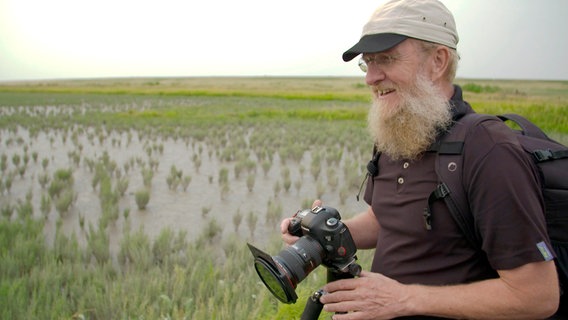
pixel 313 307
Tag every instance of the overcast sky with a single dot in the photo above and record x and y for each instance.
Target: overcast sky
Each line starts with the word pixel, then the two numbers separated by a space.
pixel 47 39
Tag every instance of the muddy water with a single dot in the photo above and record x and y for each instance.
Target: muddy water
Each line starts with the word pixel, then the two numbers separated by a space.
pixel 180 210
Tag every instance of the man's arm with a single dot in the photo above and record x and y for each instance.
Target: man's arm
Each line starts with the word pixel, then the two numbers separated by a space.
pixel 527 292
pixel 364 229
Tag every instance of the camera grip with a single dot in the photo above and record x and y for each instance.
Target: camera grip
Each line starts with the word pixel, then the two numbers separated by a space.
pixel 295 227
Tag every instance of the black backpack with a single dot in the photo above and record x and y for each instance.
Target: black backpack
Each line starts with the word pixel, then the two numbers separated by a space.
pixel 551 161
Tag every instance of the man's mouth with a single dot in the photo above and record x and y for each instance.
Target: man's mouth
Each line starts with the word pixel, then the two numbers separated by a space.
pixel 384 92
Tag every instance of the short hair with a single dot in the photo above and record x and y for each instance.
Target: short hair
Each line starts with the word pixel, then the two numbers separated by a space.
pixel 428 47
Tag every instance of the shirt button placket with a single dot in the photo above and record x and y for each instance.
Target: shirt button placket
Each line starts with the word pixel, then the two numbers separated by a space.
pixel 400 179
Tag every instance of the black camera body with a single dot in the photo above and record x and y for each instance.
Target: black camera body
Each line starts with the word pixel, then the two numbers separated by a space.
pixel 324 239
pixel 324 225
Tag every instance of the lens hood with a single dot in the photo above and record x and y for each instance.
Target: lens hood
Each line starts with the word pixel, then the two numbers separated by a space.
pixel 274 276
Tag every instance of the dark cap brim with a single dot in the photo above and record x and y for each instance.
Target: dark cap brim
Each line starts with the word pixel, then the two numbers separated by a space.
pixel 373 43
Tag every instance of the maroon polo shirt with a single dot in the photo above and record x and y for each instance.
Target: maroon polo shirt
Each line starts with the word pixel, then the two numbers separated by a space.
pixel 504 197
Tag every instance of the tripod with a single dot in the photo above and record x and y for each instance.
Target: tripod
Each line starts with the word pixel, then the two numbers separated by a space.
pixel 313 306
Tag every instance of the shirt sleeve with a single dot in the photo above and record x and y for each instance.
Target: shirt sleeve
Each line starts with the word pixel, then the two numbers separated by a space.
pixel 505 197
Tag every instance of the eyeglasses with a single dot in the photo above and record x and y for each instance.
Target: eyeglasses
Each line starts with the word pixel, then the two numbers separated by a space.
pixel 380 60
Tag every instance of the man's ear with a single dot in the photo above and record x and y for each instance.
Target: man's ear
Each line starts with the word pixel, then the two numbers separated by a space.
pixel 440 63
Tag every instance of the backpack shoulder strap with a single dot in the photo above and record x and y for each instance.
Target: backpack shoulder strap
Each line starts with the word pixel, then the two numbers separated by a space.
pixel 529 129
pixel 372 170
pixel 449 168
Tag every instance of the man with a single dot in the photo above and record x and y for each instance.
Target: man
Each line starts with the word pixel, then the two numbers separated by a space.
pixel 409 54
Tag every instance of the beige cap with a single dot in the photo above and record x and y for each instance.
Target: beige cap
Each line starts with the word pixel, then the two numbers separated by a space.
pixel 397 20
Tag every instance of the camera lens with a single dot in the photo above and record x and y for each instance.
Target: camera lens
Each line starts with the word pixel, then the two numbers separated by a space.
pixel 274 280
pixel 283 272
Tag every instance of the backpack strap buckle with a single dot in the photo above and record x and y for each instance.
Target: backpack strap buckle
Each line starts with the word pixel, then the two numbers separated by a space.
pixel 543 155
pixel 441 191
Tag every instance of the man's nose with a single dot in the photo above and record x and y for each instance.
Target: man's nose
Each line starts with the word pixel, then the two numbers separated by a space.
pixel 375 74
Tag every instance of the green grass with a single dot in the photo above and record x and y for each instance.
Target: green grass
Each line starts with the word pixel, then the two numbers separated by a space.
pixel 166 279
pixel 170 277
pixel 326 89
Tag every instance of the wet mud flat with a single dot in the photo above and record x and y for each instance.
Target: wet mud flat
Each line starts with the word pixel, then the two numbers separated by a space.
pixel 239 176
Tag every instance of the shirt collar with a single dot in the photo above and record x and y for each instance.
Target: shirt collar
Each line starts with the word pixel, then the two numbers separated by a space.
pixel 459 106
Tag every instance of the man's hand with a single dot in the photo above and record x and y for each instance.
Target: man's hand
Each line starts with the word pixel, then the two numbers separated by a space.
pixel 527 292
pixel 371 296
pixel 286 236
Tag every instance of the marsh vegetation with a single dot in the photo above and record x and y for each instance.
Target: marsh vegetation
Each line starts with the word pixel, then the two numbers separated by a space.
pixel 135 198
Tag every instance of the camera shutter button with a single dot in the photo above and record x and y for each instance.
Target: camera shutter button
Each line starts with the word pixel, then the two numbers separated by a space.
pixel 331 222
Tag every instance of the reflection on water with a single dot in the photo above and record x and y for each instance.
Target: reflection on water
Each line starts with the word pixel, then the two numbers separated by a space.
pixel 189 210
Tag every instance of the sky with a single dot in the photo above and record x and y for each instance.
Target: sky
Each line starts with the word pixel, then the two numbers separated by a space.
pixel 67 39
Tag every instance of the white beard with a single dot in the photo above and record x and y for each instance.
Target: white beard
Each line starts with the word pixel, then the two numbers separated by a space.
pixel 406 130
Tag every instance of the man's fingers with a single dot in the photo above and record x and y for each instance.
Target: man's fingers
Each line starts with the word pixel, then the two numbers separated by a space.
pixel 284 225
pixel 317 203
pixel 340 285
